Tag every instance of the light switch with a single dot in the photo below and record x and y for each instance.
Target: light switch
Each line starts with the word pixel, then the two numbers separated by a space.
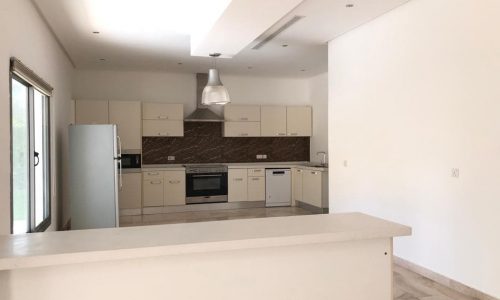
pixel 345 163
pixel 455 172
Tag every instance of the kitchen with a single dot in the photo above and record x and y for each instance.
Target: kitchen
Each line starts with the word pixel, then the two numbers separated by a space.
pixel 249 149
pixel 198 163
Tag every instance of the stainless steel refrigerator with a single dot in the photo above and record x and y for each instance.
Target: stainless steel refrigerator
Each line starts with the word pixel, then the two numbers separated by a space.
pixel 95 176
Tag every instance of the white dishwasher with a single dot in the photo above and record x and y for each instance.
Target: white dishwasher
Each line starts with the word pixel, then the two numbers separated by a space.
pixel 278 187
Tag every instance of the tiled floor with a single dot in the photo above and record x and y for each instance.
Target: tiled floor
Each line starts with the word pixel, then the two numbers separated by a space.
pixel 407 285
pixel 213 215
pixel 411 286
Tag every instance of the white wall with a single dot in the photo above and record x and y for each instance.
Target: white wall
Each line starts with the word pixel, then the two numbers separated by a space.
pixel 414 94
pixel 318 95
pixel 24 35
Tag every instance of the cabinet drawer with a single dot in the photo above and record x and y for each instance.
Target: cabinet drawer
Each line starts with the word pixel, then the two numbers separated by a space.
pixel 259 172
pixel 152 175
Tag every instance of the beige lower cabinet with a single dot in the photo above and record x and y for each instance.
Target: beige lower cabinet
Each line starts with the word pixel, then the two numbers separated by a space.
pixel 130 194
pixel 237 185
pixel 152 192
pixel 162 128
pixel 312 187
pixel 297 184
pixel 175 188
pixel 256 188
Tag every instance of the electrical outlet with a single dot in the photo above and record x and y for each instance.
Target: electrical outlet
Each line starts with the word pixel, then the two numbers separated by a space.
pixel 170 157
pixel 455 172
pixel 345 163
pixel 259 156
pixel 264 156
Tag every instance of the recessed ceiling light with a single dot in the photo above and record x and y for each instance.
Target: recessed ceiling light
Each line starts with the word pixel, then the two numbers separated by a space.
pixel 102 59
pixel 179 63
pixel 250 67
pixel 350 5
pixel 284 45
pixel 96 32
pixel 303 70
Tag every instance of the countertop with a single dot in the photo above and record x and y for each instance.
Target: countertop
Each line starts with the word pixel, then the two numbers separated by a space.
pixel 79 246
pixel 180 167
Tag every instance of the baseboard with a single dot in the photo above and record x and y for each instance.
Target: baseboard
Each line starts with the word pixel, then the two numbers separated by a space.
pixel 67 225
pixel 443 280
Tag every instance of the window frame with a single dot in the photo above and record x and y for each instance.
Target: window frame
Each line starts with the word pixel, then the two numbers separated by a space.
pixel 48 170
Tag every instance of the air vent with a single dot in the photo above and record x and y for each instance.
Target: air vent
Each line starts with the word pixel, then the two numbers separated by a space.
pixel 270 37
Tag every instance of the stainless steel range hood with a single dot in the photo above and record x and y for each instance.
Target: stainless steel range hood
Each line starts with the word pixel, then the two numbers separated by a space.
pixel 202 113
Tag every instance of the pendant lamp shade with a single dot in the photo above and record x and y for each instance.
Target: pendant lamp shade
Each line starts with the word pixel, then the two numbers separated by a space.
pixel 214 92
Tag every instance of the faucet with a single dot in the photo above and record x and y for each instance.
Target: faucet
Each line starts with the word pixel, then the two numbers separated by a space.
pixel 323 160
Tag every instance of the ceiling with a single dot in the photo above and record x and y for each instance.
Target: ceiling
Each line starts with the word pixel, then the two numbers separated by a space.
pixel 152 35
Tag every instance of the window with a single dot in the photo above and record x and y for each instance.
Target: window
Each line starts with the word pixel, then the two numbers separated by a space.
pixel 30 150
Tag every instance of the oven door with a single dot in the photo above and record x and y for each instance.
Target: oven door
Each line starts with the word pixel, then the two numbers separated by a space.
pixel 206 188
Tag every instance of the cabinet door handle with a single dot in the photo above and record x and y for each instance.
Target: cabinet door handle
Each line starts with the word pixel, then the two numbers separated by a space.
pixel 294 133
pixel 314 173
pixel 155 182
pixel 153 174
pixel 255 179
pixel 163 117
pixel 244 134
pixel 243 119
pixel 281 134
pixel 299 171
pixel 256 171
pixel 238 179
pixel 175 181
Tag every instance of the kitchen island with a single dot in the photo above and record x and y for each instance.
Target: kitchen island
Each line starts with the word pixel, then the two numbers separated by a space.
pixel 338 256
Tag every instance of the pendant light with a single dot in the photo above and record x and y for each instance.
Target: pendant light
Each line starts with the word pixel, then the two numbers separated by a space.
pixel 214 92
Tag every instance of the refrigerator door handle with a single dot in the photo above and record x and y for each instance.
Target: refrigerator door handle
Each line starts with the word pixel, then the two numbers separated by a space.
pixel 120 161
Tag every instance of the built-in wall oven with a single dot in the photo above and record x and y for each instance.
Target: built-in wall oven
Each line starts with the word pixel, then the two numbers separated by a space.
pixel 206 184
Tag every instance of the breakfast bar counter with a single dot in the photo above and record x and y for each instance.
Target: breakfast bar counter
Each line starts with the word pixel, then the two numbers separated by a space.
pixel 275 256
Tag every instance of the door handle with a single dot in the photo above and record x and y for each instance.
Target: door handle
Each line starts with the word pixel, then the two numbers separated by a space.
pixel 37 159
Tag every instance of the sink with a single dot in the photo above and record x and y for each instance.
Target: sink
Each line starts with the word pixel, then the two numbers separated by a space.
pixel 316 165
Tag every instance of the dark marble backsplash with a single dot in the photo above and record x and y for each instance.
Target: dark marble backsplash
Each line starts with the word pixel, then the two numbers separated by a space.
pixel 203 143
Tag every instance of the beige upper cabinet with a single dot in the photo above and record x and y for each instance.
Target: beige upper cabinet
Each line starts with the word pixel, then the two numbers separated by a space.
pixel 162 111
pixel 127 116
pixel 175 188
pixel 273 121
pixel 237 185
pixel 299 121
pixel 91 112
pixel 241 129
pixel 242 113
pixel 130 195
pixel 162 128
